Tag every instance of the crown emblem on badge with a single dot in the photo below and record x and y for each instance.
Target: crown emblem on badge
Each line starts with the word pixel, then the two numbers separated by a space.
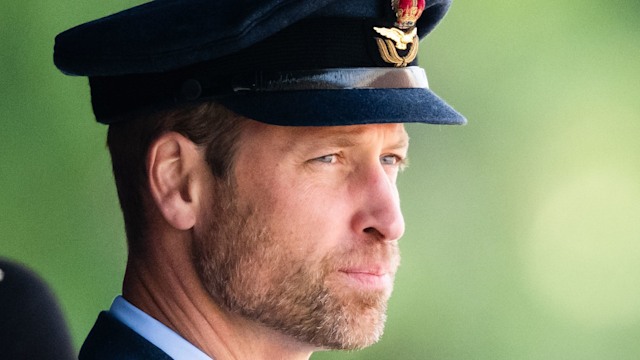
pixel 407 12
pixel 403 36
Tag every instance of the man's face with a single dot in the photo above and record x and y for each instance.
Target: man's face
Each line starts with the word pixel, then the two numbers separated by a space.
pixel 303 238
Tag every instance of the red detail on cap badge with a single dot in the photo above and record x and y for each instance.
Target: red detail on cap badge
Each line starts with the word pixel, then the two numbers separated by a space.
pixel 399 45
pixel 407 12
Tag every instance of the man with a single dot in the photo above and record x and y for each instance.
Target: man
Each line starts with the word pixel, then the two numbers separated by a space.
pixel 255 148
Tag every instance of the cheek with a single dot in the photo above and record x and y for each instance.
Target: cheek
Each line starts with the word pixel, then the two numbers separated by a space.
pixel 307 211
pixel 315 217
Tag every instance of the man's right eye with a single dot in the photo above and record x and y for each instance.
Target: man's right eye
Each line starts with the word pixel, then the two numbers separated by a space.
pixel 327 159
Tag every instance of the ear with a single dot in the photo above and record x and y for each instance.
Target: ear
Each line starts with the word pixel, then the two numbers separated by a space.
pixel 172 169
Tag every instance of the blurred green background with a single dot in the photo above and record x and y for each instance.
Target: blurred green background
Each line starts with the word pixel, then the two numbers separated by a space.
pixel 523 227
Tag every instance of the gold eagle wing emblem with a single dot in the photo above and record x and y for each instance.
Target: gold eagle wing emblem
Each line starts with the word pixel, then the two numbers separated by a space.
pixel 400 38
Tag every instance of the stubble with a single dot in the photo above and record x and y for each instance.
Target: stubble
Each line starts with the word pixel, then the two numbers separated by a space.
pixel 248 270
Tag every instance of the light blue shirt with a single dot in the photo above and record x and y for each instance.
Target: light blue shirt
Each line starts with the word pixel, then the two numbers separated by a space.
pixel 155 332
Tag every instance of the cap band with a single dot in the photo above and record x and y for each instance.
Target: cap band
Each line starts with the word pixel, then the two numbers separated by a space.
pixel 334 79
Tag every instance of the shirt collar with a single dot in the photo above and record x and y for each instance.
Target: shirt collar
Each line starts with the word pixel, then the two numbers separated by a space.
pixel 155 332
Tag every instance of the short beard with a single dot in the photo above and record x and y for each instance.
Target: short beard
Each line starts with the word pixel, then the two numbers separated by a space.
pixel 250 272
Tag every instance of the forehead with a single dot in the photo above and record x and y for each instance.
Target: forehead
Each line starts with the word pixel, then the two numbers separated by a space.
pixel 295 137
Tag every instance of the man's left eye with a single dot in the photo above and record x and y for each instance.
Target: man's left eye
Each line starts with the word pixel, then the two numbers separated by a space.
pixel 390 160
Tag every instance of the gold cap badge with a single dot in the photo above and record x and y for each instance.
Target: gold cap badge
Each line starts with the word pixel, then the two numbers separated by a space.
pixel 403 36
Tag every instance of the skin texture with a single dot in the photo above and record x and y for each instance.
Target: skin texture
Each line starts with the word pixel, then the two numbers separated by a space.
pixel 296 252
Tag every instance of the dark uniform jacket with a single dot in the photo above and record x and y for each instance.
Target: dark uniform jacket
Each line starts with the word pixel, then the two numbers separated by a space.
pixel 111 339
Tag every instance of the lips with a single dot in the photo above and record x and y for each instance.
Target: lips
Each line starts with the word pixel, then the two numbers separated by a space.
pixel 369 278
pixel 373 271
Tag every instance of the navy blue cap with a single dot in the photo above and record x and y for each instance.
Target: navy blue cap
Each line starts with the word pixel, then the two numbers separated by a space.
pixel 283 62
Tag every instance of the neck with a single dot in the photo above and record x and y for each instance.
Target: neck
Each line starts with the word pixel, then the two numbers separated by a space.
pixel 164 284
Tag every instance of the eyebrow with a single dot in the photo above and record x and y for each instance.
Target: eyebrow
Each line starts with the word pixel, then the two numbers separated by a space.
pixel 401 143
pixel 343 141
pixel 344 138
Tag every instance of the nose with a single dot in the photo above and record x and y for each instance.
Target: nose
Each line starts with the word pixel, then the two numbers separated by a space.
pixel 378 213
